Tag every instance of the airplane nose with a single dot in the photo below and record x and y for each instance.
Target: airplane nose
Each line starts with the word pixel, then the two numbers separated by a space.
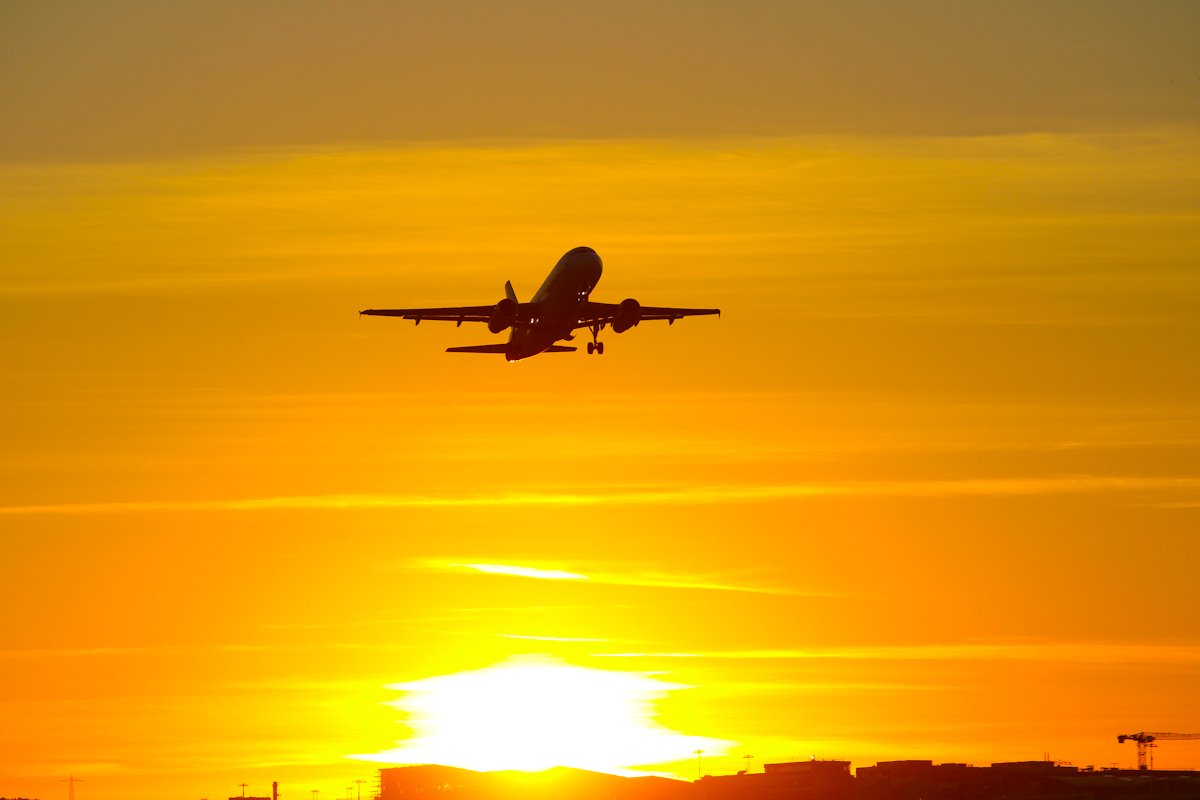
pixel 585 255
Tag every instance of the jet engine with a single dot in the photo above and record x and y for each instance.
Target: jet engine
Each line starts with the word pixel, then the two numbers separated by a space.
pixel 628 315
pixel 504 314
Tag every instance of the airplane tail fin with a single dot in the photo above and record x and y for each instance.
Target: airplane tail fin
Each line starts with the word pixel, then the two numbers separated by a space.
pixel 508 291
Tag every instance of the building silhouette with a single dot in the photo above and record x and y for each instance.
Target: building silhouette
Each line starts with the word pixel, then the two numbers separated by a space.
pixel 804 780
pixel 792 780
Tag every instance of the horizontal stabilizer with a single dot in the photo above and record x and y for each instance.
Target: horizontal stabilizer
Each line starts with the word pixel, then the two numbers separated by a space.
pixel 503 348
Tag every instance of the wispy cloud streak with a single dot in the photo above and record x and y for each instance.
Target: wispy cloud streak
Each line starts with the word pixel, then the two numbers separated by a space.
pixel 559 639
pixel 982 487
pixel 147 650
pixel 516 571
pixel 606 578
pixel 1073 652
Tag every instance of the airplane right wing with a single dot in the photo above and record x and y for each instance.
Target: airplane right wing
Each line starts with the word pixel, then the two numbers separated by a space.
pixel 609 313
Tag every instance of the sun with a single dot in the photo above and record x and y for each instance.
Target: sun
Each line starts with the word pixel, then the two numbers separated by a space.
pixel 533 713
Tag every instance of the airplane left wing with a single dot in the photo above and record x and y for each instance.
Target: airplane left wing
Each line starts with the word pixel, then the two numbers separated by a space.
pixel 607 313
pixel 458 314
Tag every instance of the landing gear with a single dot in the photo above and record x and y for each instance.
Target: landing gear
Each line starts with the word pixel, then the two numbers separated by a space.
pixel 595 346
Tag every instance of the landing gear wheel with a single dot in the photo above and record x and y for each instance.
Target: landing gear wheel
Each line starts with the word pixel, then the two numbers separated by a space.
pixel 595 346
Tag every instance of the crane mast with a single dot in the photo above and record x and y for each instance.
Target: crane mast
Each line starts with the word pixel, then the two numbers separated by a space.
pixel 1146 742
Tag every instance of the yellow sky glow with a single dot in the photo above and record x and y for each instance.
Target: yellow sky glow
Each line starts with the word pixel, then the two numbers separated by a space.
pixel 909 454
pixel 928 488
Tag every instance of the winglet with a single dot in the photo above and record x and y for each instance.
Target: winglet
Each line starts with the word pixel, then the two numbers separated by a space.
pixel 508 291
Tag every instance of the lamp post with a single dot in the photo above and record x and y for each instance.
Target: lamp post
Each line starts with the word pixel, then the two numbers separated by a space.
pixel 698 754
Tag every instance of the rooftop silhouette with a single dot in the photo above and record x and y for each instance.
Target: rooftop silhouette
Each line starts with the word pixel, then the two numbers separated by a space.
pixel 805 780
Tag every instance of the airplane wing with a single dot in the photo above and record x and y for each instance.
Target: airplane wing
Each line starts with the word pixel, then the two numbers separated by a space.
pixel 458 314
pixel 605 313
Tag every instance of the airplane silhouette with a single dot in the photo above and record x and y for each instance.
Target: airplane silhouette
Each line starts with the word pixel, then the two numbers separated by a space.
pixel 557 309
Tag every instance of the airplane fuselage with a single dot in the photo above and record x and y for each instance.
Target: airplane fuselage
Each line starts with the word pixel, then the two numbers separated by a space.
pixel 555 310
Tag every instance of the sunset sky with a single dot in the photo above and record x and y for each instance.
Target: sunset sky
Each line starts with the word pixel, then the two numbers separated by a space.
pixel 929 488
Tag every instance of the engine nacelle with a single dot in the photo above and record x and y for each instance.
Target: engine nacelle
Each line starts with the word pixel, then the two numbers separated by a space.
pixel 628 315
pixel 504 314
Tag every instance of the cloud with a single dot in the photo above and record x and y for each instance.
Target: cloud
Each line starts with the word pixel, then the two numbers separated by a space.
pixel 522 572
pixel 198 649
pixel 645 495
pixel 652 580
pixel 167 650
pixel 562 639
pixel 1073 652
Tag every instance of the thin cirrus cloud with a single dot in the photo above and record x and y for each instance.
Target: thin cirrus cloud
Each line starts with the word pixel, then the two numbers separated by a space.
pixel 558 639
pixel 1069 652
pixel 146 650
pixel 651 495
pixel 521 572
pixel 649 580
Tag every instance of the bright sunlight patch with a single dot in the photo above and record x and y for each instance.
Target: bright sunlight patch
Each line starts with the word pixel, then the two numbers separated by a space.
pixel 536 712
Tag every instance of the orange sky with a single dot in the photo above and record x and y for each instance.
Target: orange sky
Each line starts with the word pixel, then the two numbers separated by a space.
pixel 927 489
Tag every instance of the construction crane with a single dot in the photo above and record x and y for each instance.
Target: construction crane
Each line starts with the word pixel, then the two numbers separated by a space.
pixel 1146 741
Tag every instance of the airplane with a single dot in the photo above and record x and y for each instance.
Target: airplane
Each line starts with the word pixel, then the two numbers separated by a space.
pixel 560 307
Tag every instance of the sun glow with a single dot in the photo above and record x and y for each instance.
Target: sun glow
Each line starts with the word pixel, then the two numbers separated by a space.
pixel 535 712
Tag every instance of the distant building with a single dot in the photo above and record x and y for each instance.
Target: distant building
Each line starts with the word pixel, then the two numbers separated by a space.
pixel 1018 780
pixel 920 780
pixel 274 794
pixel 405 783
pixel 802 780
pixel 793 780
pixel 824 769
pixel 1035 767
